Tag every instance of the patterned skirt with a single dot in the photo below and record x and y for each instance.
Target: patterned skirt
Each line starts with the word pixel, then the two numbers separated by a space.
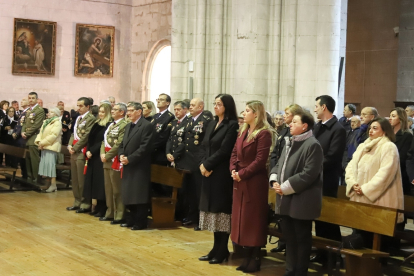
pixel 215 222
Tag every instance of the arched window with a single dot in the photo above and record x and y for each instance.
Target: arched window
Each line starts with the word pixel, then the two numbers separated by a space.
pixel 160 75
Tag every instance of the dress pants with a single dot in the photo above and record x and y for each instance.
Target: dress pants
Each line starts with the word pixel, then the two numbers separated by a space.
pixel 192 190
pixel 113 194
pixel 298 235
pixel 77 165
pixel 32 161
pixel 138 215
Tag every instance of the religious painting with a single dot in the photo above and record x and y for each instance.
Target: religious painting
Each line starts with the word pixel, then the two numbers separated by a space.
pixel 94 53
pixel 34 47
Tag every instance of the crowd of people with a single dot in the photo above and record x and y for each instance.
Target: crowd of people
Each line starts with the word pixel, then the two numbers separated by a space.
pixel 234 159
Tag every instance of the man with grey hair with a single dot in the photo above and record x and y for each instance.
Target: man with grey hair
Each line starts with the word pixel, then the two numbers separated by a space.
pixel 279 121
pixel 111 100
pixel 113 137
pixel 134 153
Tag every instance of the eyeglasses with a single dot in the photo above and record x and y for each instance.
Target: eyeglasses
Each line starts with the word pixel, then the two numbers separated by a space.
pixel 218 104
pixel 161 100
pixel 131 110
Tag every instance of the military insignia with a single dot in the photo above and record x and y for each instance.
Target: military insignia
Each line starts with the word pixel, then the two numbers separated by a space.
pixel 64 122
pixel 196 142
pixel 180 139
pixel 115 141
pixel 32 121
pixel 32 115
pixel 80 135
pixel 172 128
pixel 109 140
pixel 82 131
pixel 180 131
pixel 158 127
pixel 169 124
pixel 152 120
pixel 196 136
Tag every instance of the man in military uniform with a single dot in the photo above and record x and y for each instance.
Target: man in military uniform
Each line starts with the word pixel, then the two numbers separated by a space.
pixel 17 134
pixel 112 167
pixel 194 134
pixel 175 145
pixel 77 149
pixel 31 127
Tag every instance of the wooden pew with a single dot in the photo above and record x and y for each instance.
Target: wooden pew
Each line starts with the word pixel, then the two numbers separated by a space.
pixel 163 208
pixel 376 219
pixel 66 165
pixel 15 152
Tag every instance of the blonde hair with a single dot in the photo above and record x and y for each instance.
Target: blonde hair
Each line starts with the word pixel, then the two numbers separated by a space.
pixel 260 121
pixel 151 106
pixel 295 109
pixel 108 118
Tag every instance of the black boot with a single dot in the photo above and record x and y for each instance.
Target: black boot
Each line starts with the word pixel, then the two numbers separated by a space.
pixel 213 251
pixel 247 254
pixel 255 262
pixel 223 251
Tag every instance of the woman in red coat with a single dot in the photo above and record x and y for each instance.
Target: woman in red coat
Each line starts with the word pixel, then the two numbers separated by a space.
pixel 250 187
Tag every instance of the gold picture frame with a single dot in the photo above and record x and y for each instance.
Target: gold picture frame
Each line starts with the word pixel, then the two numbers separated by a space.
pixel 34 47
pixel 94 51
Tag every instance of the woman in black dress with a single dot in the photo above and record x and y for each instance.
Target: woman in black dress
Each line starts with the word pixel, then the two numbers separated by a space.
pixel 94 187
pixel 217 185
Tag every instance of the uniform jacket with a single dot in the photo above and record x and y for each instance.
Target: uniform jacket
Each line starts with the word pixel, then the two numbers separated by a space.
pixel 84 126
pixel 375 166
pixel 136 177
pixel 18 130
pixel 32 123
pixel 175 144
pixel 114 138
pixel 162 127
pixel 216 149
pixel 332 138
pixel 194 135
pixel 50 137
pixel 303 170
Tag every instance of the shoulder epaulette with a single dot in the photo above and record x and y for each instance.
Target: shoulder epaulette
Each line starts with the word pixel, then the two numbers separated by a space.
pixel 206 117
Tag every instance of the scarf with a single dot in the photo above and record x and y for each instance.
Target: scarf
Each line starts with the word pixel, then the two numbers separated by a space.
pixel 47 121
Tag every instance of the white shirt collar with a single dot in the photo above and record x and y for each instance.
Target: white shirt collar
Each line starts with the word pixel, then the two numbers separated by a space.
pixel 162 112
pixel 137 120
pixel 196 117
pixel 117 121
pixel 84 114
pixel 34 106
pixel 327 121
pixel 26 109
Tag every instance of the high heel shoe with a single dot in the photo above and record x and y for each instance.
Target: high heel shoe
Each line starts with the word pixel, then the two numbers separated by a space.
pixel 205 258
pixel 244 264
pixel 218 260
pixel 253 266
pixel 51 189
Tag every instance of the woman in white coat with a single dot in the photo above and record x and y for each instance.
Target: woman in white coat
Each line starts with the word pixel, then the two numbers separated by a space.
pixel 373 176
pixel 49 142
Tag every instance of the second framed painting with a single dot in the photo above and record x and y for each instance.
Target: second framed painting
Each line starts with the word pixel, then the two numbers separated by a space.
pixel 94 53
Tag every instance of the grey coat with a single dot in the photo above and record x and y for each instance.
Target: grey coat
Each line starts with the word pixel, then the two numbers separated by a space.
pixel 304 171
pixel 136 175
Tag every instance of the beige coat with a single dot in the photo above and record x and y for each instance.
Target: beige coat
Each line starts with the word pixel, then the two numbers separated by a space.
pixel 50 137
pixel 375 166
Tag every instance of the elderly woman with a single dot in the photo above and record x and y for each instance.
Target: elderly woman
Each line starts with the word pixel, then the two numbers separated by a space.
pixel 250 187
pixel 373 176
pixel 279 121
pixel 148 110
pixel 403 139
pixel 297 180
pixel 49 142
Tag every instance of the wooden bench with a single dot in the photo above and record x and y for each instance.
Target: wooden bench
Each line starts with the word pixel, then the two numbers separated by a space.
pixel 163 208
pixel 376 219
pixel 15 152
pixel 66 164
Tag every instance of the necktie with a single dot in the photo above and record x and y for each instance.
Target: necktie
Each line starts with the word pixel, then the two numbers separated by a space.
pixel 178 122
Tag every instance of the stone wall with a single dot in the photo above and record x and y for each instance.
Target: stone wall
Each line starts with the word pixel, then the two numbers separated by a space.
pixel 64 85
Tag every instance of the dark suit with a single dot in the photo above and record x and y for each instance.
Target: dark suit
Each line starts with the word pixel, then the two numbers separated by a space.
pixel 280 144
pixel 191 160
pixel 136 177
pixel 332 137
pixel 346 123
pixel 20 142
pixel 175 144
pixel 161 127
pixel 66 121
pixel 7 138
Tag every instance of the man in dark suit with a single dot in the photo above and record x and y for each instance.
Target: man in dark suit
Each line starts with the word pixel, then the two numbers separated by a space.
pixel 134 153
pixel 65 120
pixel 20 142
pixel 162 128
pixel 332 137
pixel 349 112
pixel 15 104
pixel 194 135
pixel 175 144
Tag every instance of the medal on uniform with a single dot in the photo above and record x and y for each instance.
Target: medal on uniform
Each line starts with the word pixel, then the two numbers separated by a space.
pixel 196 136
pixel 109 140
pixel 32 121
pixel 80 135
pixel 196 142
pixel 115 141
pixel 180 139
pixel 82 131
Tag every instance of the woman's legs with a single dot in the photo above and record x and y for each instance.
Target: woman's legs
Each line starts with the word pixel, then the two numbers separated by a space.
pixel 52 187
pixel 213 251
pixel 222 252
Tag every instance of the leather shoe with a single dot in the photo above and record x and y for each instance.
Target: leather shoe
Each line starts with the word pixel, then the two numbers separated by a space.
pixel 205 258
pixel 82 211
pixel 72 208
pixel 279 248
pixel 197 228
pixel 126 225
pixel 188 222
pixel 93 212
pixel 105 219
pixel 136 227
pixel 99 215
pixel 120 221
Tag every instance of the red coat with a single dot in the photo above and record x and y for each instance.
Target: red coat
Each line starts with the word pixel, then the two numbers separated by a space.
pixel 250 207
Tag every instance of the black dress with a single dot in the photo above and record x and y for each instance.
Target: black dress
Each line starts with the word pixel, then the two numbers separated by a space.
pixel 94 186
pixel 7 138
pixel 403 142
pixel 217 189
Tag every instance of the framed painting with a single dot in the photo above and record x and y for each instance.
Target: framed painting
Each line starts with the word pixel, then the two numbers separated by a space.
pixel 34 47
pixel 94 53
